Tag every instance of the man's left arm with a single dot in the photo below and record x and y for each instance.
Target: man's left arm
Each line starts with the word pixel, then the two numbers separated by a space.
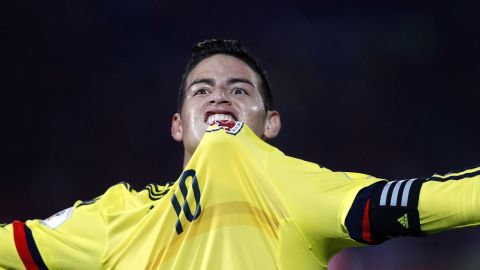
pixel 415 207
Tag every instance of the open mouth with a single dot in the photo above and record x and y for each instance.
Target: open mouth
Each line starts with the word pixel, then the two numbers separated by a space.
pixel 211 117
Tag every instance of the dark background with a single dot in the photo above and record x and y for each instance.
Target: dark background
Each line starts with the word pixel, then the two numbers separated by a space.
pixel 89 88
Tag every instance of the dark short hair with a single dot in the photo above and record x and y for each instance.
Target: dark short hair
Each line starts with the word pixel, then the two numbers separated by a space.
pixel 207 48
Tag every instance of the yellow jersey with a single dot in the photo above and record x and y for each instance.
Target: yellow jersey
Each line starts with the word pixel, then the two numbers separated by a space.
pixel 239 204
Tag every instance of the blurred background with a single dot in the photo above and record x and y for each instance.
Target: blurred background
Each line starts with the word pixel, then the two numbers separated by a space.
pixel 89 88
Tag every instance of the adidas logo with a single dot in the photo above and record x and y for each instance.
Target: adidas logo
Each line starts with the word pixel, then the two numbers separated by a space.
pixel 403 220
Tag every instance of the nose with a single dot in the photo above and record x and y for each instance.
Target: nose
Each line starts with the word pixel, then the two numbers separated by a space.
pixel 219 97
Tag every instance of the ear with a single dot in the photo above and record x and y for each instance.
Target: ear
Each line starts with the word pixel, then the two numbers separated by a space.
pixel 272 125
pixel 176 129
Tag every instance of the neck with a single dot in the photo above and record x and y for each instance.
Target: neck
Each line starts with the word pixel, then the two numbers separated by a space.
pixel 186 158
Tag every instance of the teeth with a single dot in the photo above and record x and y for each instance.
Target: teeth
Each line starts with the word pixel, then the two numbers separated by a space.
pixel 216 117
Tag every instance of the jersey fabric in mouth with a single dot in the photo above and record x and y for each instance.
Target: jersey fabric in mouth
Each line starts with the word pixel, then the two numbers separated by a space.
pixel 219 117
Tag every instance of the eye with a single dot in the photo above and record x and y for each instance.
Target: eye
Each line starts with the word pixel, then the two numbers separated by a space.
pixel 239 91
pixel 201 91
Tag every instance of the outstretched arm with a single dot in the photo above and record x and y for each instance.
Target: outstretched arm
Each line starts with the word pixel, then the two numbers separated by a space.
pixel 69 239
pixel 415 207
pixel 15 251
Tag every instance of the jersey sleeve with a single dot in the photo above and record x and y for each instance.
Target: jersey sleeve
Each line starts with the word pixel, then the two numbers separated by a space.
pixel 335 210
pixel 415 207
pixel 450 201
pixel 71 238
pixel 318 201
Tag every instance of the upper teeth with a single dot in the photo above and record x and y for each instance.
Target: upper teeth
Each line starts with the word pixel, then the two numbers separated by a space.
pixel 219 116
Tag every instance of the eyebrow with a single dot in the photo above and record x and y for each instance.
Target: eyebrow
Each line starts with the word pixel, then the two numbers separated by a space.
pixel 211 82
pixel 240 80
pixel 205 81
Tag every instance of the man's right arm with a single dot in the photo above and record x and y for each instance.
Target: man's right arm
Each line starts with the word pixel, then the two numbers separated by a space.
pixel 9 256
pixel 70 239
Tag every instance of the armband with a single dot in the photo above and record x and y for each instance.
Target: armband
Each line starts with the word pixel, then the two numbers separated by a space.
pixel 385 210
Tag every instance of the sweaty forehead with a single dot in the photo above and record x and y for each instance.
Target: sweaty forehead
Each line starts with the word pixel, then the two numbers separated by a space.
pixel 222 67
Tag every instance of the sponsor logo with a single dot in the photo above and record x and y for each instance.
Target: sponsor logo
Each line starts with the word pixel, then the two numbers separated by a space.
pixel 403 220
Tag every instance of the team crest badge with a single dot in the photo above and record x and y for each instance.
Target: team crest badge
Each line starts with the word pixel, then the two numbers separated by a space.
pixel 230 126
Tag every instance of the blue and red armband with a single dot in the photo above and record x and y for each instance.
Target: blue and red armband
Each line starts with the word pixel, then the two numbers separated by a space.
pixel 385 210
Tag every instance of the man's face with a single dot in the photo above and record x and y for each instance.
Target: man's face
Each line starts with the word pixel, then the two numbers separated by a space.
pixel 221 87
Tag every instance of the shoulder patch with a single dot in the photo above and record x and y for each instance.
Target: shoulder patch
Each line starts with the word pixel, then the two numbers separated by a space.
pixel 58 219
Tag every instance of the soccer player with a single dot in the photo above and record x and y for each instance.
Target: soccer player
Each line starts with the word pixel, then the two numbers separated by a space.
pixel 239 203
